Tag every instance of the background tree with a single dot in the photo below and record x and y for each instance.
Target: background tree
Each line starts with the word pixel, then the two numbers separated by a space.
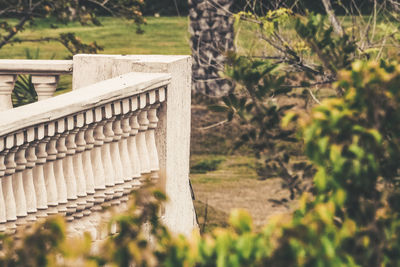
pixel 212 35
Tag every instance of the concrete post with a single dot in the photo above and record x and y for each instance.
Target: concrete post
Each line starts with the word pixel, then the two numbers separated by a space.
pixel 173 131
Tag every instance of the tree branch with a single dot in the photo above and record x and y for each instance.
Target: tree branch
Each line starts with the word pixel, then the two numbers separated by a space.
pixel 212 125
pixel 12 33
pixel 20 25
pixel 332 18
pixel 102 5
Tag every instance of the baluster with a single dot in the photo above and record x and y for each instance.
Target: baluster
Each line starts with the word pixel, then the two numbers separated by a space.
pixel 115 154
pixel 132 144
pixel 124 149
pixel 106 153
pixel 97 161
pixel 59 168
pixel 38 173
pixel 3 216
pixel 48 168
pixel 141 141
pixel 78 164
pixel 87 161
pixel 99 180
pixel 150 135
pixel 68 167
pixel 45 86
pixel 17 181
pixel 9 200
pixel 29 186
pixel 7 82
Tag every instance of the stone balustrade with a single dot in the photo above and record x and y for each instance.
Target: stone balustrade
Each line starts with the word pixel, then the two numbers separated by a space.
pixel 68 154
pixel 45 76
pixel 127 118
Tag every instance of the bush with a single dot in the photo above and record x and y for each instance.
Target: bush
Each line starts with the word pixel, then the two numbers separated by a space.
pixel 352 220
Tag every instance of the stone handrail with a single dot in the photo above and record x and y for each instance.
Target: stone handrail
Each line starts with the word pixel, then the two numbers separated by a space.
pixel 45 77
pixel 75 153
pixel 29 66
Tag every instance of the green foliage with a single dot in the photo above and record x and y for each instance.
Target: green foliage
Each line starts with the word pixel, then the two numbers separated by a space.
pixel 206 165
pixel 75 45
pixel 269 22
pixel 285 75
pixel 37 248
pixel 334 52
pixel 354 143
pixel 263 95
pixel 352 220
pixel 24 91
pixel 45 244
pixel 131 245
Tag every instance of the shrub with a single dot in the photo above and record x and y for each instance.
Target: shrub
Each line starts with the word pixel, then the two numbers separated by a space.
pixel 352 220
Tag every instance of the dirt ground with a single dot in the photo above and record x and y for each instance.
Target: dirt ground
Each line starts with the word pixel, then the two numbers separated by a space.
pixel 235 183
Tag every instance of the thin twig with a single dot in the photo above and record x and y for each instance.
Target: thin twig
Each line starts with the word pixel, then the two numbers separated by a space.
pixel 212 125
pixel 205 217
pixel 332 17
pixel 103 5
pixel 329 81
pixel 313 97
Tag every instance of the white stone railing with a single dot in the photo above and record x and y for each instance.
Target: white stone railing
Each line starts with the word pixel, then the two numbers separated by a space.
pixel 74 153
pixel 127 117
pixel 45 77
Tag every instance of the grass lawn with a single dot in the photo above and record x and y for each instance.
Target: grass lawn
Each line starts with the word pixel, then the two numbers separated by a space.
pixel 164 35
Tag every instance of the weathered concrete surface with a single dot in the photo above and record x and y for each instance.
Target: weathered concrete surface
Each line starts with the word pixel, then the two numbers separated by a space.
pixel 173 132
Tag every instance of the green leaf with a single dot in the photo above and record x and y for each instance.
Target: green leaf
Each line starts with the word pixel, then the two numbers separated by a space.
pixel 288 118
pixel 240 220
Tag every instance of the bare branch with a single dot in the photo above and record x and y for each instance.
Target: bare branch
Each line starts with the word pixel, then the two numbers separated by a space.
pixel 313 96
pixel 102 5
pixel 12 33
pixel 212 125
pixel 329 81
pixel 332 18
